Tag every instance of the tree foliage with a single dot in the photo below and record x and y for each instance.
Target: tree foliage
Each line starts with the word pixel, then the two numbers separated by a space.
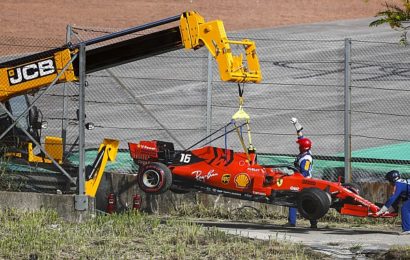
pixel 398 17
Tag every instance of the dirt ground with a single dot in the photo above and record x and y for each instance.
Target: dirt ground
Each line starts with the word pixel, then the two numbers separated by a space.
pixel 45 19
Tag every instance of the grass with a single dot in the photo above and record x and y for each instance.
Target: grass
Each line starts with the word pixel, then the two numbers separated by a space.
pixel 133 235
pixel 269 214
pixel 333 219
pixel 398 252
pixel 7 183
pixel 355 248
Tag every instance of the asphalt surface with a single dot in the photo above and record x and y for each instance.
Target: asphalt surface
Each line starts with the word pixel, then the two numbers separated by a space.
pixel 338 243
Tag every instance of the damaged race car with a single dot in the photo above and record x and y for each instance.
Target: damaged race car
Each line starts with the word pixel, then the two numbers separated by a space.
pixel 217 171
pixel 222 171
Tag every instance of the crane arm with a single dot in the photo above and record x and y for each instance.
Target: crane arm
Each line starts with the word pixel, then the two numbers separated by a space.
pixel 32 72
pixel 197 33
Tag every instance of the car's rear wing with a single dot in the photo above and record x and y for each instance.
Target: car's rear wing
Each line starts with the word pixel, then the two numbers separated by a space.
pixel 152 151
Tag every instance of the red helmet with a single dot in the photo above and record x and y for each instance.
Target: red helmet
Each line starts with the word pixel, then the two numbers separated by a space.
pixel 304 144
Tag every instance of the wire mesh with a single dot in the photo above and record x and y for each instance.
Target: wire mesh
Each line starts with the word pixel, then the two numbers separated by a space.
pixel 380 114
pixel 166 98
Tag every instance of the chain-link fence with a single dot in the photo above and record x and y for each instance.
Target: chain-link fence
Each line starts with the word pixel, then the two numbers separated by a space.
pixel 178 97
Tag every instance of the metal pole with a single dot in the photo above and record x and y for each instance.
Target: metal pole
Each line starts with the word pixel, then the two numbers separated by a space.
pixel 347 112
pixel 64 122
pixel 81 201
pixel 209 98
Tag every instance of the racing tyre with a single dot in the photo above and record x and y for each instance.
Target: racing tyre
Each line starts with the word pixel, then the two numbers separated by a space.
pixel 313 203
pixel 155 178
pixel 353 187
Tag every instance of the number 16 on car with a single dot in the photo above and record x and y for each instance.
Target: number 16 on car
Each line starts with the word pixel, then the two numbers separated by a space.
pixel 185 158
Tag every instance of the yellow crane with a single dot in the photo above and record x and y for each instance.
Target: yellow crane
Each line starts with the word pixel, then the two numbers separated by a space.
pixel 33 72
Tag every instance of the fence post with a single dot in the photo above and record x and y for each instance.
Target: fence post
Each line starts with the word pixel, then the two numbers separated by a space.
pixel 209 97
pixel 81 200
pixel 64 122
pixel 347 112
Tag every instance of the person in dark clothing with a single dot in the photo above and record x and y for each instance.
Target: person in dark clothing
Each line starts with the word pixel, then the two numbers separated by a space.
pixel 401 191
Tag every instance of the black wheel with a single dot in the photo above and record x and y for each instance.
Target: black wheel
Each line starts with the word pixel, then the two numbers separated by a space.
pixel 155 178
pixel 313 203
pixel 353 187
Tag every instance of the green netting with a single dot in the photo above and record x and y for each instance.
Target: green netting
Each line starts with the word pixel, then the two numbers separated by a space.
pixel 125 164
pixel 393 152
pixel 8 166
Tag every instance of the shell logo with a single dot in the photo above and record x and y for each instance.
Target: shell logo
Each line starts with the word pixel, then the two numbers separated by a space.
pixel 242 180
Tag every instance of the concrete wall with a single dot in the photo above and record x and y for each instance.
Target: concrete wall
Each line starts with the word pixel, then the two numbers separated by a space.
pixel 62 204
pixel 125 186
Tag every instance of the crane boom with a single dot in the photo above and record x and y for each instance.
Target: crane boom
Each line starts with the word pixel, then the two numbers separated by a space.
pixel 32 72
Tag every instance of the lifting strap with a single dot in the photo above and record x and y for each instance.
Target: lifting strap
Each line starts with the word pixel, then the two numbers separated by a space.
pixel 242 115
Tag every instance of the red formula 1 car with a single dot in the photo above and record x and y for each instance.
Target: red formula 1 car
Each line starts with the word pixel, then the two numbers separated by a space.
pixel 235 174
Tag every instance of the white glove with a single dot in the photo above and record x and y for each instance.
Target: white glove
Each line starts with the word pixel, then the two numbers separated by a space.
pixel 382 210
pixel 296 123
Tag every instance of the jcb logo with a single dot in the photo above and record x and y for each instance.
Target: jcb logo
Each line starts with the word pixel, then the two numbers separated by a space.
pixel 31 71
